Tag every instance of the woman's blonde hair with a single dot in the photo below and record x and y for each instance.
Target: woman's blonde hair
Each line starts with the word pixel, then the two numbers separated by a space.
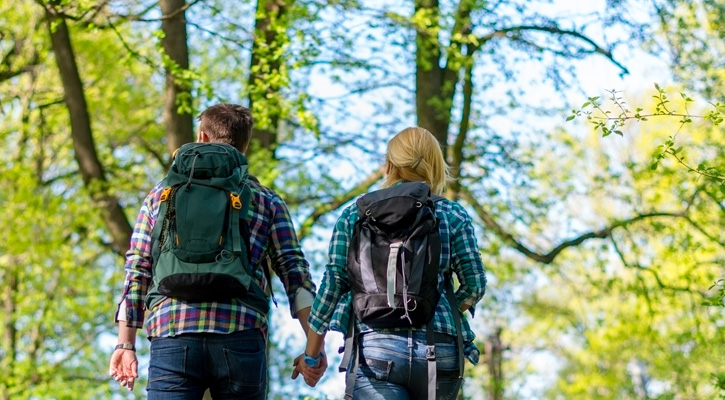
pixel 415 155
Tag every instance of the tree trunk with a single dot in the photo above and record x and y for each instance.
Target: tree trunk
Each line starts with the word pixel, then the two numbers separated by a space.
pixel 429 75
pixel 263 65
pixel 178 125
pixel 494 357
pixel 9 340
pixel 83 144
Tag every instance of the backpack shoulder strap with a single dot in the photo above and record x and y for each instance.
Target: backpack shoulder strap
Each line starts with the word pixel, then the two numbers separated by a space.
pixel 436 198
pixel 451 296
pixel 350 353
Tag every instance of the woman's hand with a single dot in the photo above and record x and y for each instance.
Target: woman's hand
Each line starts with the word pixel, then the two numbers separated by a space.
pixel 311 374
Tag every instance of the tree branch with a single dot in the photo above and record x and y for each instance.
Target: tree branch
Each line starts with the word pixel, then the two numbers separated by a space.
pixel 654 273
pixel 504 32
pixel 548 258
pixel 338 201
pixel 92 171
pixel 456 152
pixel 6 70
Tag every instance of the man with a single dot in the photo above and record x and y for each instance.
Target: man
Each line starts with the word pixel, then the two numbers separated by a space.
pixel 215 345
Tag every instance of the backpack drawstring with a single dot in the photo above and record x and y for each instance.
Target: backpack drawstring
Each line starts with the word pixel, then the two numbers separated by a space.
pixel 392 264
pixel 405 291
pixel 418 217
pixel 191 174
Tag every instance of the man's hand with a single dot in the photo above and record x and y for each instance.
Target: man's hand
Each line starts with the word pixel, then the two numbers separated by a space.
pixel 124 367
pixel 312 375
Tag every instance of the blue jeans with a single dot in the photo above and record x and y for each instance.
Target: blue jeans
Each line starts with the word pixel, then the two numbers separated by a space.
pixel 231 366
pixel 393 366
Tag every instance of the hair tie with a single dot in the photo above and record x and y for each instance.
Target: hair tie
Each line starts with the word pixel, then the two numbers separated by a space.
pixel 416 163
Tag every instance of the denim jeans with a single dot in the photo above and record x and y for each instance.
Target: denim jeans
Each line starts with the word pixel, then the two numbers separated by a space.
pixel 393 366
pixel 231 366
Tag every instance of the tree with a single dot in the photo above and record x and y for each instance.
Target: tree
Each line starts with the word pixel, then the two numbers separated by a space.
pixel 636 310
pixel 177 100
pixel 329 83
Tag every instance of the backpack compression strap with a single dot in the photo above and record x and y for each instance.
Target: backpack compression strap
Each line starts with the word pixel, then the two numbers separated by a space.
pixel 350 352
pixel 350 349
pixel 236 206
pixel 457 322
pixel 392 261
pixel 430 339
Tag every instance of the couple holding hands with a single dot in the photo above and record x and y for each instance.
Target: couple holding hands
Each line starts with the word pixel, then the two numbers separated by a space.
pixel 219 342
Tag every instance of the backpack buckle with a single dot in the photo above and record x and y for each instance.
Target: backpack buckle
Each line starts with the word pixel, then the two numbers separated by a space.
pixel 236 201
pixel 165 194
pixel 430 353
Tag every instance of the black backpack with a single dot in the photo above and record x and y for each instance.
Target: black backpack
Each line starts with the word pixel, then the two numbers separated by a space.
pixel 201 236
pixel 392 265
pixel 394 257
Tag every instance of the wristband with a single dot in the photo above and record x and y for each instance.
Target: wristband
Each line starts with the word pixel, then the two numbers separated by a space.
pixel 313 361
pixel 125 346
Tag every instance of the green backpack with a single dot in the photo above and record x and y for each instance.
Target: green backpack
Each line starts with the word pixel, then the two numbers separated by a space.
pixel 201 237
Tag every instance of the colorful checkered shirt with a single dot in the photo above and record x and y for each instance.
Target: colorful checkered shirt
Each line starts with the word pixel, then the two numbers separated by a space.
pixel 272 241
pixel 332 308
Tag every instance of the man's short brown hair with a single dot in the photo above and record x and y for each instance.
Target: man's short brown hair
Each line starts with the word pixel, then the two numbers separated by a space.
pixel 227 123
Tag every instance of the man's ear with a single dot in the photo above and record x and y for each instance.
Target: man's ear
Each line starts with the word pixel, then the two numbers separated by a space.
pixel 202 137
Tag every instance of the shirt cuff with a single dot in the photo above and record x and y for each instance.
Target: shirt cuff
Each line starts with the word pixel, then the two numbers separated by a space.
pixel 121 313
pixel 303 299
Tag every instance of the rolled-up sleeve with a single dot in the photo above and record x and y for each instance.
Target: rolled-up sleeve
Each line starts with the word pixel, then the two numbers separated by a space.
pixel 286 256
pixel 335 281
pixel 138 263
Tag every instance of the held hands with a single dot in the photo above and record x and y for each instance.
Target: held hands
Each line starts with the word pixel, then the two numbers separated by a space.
pixel 124 367
pixel 311 375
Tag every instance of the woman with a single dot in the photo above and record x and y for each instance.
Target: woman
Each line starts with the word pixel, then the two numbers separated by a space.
pixel 412 155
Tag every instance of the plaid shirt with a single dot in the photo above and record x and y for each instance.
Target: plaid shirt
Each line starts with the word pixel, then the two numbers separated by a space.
pixel 272 240
pixel 332 308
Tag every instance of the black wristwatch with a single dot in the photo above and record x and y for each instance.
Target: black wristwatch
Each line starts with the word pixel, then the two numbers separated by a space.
pixel 125 346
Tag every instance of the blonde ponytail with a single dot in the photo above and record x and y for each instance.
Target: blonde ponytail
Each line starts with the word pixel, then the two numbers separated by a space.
pixel 415 155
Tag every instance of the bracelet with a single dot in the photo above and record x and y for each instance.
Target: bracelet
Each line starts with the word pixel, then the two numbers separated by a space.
pixel 313 361
pixel 125 346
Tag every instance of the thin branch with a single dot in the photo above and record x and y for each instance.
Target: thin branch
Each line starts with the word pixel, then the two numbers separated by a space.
pixel 8 58
pixel 128 48
pixel 138 17
pixel 504 32
pixel 159 157
pixel 241 44
pixel 338 201
pixel 549 257
pixel 652 271
pixel 457 148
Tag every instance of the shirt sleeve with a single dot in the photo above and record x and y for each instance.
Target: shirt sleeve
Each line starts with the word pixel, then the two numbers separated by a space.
pixel 335 281
pixel 466 260
pixel 138 263
pixel 286 256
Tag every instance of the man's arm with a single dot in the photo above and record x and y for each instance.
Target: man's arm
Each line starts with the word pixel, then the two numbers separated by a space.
pixel 124 364
pixel 302 316
pixel 130 314
pixel 303 303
